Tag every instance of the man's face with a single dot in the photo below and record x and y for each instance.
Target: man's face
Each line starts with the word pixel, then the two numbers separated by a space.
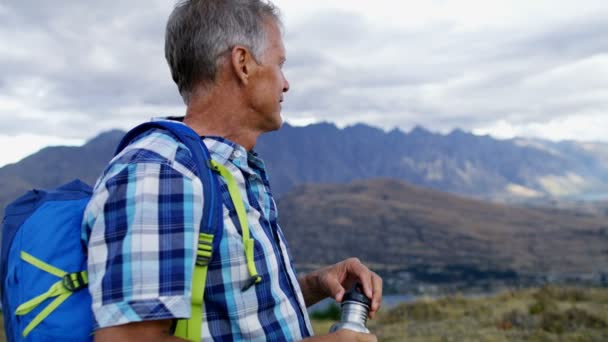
pixel 268 82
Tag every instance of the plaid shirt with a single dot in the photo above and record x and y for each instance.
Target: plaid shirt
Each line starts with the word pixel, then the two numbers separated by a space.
pixel 141 227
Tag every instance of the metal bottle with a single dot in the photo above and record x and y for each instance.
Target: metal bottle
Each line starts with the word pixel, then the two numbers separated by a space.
pixel 355 307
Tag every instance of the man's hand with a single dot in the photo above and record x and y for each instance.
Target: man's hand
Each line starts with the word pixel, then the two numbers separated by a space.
pixel 343 335
pixel 333 281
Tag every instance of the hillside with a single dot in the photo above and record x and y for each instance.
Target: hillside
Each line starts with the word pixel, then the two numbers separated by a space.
pixel 543 314
pixel 435 237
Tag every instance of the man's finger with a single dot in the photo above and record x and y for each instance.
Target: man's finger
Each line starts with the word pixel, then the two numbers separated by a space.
pixel 377 296
pixel 362 273
pixel 336 290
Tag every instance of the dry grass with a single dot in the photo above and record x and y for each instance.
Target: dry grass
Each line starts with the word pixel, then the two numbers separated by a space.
pixel 545 314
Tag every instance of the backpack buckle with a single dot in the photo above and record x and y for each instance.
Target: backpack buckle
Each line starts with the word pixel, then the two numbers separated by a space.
pixel 204 250
pixel 75 281
pixel 202 260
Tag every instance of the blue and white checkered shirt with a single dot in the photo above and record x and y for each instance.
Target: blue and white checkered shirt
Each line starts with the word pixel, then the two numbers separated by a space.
pixel 142 224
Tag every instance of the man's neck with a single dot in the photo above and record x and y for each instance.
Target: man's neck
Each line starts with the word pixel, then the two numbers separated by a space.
pixel 223 120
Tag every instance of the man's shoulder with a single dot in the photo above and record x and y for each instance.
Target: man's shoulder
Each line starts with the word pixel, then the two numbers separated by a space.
pixel 156 146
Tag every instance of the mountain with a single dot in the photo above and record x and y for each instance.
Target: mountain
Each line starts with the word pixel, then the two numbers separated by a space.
pixel 459 162
pixel 433 236
pixel 56 165
pixel 585 174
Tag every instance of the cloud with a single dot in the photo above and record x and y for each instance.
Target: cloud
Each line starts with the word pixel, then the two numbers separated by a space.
pixel 444 77
pixel 28 144
pixel 72 69
pixel 82 63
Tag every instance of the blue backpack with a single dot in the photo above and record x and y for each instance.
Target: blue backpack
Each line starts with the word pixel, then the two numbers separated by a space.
pixel 43 261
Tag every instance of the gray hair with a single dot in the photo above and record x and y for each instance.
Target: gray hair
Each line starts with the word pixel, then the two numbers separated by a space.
pixel 200 32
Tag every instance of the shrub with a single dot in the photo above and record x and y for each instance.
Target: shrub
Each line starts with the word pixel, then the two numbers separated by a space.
pixel 518 319
pixel 417 311
pixel 424 311
pixel 332 312
pixel 570 320
pixel 545 300
pixel 541 306
pixel 566 294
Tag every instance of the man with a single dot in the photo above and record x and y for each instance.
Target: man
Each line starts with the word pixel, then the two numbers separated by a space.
pixel 226 58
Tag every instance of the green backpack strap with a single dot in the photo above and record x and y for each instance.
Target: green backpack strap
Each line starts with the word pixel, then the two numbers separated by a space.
pixel 211 222
pixel 190 329
pixel 248 242
pixel 67 284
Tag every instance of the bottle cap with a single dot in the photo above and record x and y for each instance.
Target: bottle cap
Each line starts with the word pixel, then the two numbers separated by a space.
pixel 356 294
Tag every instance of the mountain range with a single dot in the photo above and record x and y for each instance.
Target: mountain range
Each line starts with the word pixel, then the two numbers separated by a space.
pixel 459 162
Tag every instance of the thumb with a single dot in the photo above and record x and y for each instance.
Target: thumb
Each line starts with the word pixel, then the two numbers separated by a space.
pixel 335 289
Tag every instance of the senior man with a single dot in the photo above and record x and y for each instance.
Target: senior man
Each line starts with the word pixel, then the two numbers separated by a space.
pixel 226 57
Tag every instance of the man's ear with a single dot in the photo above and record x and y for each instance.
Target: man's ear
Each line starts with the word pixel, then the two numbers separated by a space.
pixel 242 63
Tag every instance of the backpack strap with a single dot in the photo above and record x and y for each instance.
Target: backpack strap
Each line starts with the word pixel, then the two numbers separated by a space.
pixel 212 219
pixel 67 284
pixel 248 242
pixel 211 224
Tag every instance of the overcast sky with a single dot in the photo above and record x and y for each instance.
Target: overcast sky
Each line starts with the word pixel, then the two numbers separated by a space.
pixel 70 69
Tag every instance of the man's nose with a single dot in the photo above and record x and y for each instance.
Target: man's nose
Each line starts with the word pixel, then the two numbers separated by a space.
pixel 285 84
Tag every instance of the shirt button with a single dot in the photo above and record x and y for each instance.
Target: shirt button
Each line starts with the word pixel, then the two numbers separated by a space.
pixel 237 154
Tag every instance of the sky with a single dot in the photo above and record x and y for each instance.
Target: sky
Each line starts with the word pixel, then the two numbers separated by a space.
pixel 71 69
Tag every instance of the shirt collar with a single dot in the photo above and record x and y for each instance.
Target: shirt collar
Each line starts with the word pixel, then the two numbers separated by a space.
pixel 225 152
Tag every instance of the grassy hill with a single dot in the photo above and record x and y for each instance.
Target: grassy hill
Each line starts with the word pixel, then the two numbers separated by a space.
pixel 437 237
pixel 544 314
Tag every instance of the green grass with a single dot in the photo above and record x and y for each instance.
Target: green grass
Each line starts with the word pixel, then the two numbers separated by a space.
pixel 546 314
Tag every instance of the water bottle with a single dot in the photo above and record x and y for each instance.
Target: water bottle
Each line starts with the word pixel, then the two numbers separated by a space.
pixel 355 307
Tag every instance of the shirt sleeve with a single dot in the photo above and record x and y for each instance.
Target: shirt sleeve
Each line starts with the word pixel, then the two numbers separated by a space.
pixel 141 246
